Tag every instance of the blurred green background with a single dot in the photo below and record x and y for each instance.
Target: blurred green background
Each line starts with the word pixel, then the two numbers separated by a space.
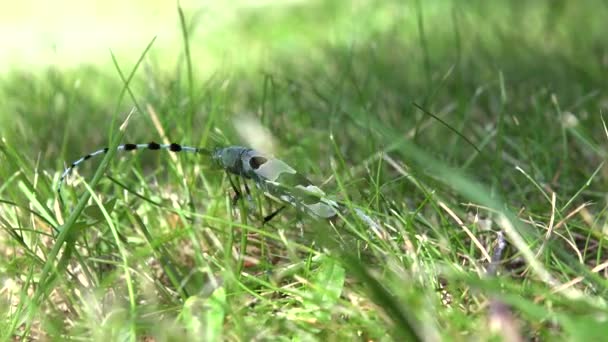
pixel 58 81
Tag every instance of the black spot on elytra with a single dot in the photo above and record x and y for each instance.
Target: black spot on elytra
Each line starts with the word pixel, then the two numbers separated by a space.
pixel 130 147
pixel 154 146
pixel 105 150
pixel 87 156
pixel 175 147
pixel 256 162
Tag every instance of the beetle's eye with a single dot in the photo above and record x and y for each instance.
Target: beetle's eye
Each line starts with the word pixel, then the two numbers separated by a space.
pixel 256 162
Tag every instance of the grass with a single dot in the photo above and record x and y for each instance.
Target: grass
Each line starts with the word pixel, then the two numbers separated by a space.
pixel 451 123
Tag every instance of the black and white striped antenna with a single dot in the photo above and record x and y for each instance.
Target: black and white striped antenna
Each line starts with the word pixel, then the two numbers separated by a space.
pixel 130 147
pixel 272 175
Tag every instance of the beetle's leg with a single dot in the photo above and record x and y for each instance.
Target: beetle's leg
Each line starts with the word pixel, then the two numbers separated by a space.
pixel 269 217
pixel 248 193
pixel 248 196
pixel 237 192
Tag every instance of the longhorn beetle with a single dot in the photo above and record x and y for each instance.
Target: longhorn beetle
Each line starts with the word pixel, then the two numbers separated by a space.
pixel 273 176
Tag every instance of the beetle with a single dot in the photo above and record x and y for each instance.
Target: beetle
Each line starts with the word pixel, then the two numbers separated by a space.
pixel 273 176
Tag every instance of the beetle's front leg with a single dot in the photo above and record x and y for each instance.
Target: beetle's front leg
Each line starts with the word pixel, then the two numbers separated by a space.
pixel 248 192
pixel 270 216
pixel 237 192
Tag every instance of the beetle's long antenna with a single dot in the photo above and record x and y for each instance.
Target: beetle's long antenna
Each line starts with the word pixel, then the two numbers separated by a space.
pixel 131 147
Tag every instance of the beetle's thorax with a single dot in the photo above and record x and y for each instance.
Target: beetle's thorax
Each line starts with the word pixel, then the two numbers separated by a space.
pixel 230 159
pixel 252 164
